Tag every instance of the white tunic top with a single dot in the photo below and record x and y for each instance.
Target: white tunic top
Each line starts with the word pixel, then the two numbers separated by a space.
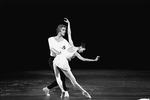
pixel 59 46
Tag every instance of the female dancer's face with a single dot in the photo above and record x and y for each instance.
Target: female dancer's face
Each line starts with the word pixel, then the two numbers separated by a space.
pixel 81 49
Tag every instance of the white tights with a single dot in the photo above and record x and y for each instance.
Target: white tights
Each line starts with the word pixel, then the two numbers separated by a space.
pixel 69 74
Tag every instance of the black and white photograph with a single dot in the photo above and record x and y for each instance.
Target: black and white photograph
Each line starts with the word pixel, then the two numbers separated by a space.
pixel 75 50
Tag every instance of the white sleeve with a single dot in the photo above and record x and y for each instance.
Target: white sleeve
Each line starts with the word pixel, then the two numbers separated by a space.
pixel 50 42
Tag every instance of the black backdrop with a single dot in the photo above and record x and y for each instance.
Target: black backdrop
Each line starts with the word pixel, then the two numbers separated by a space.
pixel 116 30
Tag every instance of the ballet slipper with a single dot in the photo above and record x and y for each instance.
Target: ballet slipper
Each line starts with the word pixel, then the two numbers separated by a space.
pixel 64 94
pixel 86 94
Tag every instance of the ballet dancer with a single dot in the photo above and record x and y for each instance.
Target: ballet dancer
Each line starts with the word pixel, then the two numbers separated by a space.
pixel 61 62
pixel 56 44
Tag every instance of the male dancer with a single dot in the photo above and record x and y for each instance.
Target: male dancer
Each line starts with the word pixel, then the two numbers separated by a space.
pixel 56 44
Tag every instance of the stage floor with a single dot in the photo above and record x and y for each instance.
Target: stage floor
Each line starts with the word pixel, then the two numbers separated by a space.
pixel 101 84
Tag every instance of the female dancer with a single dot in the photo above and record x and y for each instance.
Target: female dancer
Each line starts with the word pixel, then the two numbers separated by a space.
pixel 61 61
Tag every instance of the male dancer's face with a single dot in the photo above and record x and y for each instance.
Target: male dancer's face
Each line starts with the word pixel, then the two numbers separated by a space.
pixel 63 31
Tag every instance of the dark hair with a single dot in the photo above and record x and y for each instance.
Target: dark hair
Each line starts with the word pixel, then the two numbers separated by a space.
pixel 60 27
pixel 83 44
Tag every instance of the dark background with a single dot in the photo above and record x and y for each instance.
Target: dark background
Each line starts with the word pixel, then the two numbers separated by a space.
pixel 117 30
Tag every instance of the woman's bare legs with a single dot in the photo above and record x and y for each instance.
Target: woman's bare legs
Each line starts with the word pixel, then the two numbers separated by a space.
pixel 69 74
pixel 59 82
pixel 58 79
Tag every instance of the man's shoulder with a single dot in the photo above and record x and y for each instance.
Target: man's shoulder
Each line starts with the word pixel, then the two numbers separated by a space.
pixel 51 38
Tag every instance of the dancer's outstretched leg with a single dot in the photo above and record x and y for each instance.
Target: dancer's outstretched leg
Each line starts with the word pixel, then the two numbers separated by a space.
pixel 69 74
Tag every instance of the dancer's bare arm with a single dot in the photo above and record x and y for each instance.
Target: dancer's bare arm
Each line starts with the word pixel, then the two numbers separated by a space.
pixel 69 32
pixel 85 59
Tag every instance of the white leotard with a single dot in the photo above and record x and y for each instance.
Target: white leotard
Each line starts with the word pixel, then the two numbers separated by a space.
pixel 61 60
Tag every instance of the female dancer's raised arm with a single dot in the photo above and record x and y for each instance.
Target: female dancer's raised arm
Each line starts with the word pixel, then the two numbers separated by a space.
pixel 69 31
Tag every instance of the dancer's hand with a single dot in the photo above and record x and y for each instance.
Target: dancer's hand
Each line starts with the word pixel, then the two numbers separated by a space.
pixel 66 20
pixel 97 58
